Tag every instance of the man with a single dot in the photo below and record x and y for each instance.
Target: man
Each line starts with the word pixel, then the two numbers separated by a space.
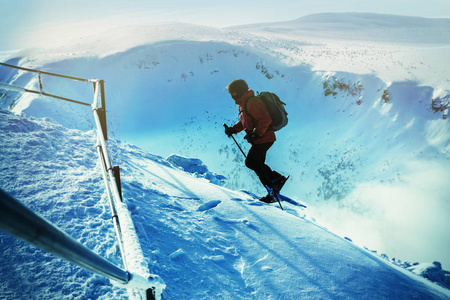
pixel 256 122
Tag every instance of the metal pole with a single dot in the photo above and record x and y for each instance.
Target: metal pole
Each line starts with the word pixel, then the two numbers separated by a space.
pixel 115 191
pixel 102 110
pixel 114 215
pixel 106 169
pixel 95 104
pixel 16 219
pixel 46 73
pixel 16 88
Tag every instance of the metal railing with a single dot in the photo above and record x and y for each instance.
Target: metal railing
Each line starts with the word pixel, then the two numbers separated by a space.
pixel 52 239
pixel 101 110
pixel 16 219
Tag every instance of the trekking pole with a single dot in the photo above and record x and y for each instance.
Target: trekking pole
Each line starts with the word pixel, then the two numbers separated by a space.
pixel 275 195
pixel 226 127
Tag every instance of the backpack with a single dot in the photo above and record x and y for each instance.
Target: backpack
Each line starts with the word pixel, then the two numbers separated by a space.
pixel 275 108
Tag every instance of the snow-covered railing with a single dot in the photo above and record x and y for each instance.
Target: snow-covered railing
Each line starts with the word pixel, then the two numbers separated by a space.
pixel 135 277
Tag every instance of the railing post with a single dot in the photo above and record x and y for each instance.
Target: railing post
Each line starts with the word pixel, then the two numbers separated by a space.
pixel 150 294
pixel 40 83
pixel 116 199
pixel 114 216
pixel 102 110
pixel 116 170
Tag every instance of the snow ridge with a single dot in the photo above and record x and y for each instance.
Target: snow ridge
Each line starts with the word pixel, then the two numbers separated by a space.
pixel 361 26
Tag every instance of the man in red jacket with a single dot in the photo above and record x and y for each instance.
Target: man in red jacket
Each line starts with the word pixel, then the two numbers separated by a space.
pixel 256 122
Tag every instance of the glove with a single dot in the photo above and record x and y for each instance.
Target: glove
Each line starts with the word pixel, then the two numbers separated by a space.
pixel 251 137
pixel 229 131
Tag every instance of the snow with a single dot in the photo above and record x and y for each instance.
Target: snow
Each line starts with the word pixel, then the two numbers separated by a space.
pixel 369 156
pixel 197 168
pixel 204 240
pixel 431 271
pixel 362 26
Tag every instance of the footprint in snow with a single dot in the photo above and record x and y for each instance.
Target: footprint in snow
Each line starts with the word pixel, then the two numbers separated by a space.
pixel 173 207
pixel 237 199
pixel 227 222
pixel 255 203
pixel 208 205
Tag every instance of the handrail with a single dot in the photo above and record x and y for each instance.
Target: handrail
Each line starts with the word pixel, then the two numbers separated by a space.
pixel 112 207
pixel 41 92
pixel 151 286
pixel 16 219
pixel 22 89
pixel 46 73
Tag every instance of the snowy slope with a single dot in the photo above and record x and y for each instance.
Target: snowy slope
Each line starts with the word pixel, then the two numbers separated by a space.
pixel 53 171
pixel 204 240
pixel 367 142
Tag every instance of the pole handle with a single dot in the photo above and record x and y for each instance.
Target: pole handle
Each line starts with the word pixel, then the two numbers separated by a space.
pixel 226 126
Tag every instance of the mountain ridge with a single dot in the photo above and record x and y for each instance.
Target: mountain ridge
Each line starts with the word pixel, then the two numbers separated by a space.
pixel 362 26
pixel 351 17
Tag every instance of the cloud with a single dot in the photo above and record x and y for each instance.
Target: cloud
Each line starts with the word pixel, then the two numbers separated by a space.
pixel 407 219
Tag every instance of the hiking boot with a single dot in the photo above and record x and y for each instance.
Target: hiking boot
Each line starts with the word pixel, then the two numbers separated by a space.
pixel 278 183
pixel 267 199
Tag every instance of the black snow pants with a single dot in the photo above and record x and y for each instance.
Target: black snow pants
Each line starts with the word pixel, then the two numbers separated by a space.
pixel 255 161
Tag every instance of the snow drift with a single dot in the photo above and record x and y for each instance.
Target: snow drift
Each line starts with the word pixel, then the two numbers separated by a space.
pixel 205 241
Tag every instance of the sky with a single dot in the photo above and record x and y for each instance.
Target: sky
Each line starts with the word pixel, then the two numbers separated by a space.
pixel 24 20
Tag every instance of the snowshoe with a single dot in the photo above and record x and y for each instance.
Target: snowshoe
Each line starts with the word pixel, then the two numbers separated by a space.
pixel 267 199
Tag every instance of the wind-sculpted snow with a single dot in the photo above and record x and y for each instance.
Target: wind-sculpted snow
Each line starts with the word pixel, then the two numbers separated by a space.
pixel 53 171
pixel 197 168
pixel 205 241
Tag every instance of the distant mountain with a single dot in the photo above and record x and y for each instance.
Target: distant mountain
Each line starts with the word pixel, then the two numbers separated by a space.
pixel 370 19
pixel 362 26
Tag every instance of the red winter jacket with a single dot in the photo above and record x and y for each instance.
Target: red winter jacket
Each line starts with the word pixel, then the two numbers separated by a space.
pixel 260 121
